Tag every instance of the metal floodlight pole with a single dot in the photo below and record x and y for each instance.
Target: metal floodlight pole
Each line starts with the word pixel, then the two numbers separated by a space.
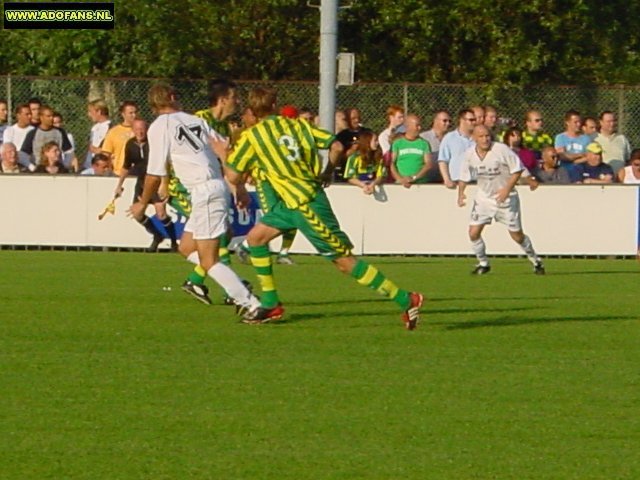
pixel 328 55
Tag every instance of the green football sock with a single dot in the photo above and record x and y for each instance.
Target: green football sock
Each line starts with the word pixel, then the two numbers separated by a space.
pixel 223 250
pixel 197 276
pixel 371 277
pixel 261 261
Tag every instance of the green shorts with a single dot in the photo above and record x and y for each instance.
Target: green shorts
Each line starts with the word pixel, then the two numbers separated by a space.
pixel 317 223
pixel 267 196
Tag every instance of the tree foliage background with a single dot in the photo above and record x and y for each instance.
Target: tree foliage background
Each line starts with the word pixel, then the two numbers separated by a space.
pixel 461 41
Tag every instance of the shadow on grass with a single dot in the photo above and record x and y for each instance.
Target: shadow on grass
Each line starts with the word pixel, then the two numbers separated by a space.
pixel 514 322
pixel 428 311
pixel 596 272
pixel 338 302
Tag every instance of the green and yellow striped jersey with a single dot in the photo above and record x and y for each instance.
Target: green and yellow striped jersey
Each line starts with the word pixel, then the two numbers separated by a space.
pixel 285 152
pixel 220 126
pixel 536 141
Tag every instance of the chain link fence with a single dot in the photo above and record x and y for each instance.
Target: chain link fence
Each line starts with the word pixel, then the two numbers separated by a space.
pixel 70 97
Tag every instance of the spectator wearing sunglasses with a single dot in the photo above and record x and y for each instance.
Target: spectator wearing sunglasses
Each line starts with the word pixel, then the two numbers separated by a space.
pixel 533 136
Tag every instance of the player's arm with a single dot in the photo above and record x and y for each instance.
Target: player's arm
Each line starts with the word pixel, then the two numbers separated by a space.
pixel 504 192
pixel 335 154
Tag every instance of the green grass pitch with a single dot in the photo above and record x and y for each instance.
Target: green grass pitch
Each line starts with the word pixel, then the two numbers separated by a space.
pixel 104 375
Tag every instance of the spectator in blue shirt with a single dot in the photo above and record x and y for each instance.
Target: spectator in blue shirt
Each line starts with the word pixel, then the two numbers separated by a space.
pixel 453 146
pixel 571 144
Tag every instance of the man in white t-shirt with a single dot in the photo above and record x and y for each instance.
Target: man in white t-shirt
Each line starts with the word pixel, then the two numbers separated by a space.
pixel 98 112
pixel 183 140
pixel 17 132
pixel 395 117
pixel 497 169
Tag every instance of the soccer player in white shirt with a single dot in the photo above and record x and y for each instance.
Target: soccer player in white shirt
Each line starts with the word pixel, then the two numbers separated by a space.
pixel 184 141
pixel 497 169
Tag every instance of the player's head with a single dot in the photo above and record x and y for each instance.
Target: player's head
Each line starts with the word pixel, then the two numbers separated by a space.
pixel 222 95
pixel 163 96
pixel 263 101
pixel 482 137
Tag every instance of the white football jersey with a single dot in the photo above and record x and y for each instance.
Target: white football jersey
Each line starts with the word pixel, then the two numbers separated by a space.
pixel 492 172
pixel 183 140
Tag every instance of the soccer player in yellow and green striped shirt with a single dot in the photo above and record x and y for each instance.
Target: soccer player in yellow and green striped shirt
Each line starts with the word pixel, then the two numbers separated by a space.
pixel 285 152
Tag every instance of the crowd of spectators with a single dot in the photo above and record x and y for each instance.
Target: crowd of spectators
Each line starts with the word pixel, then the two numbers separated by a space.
pixel 589 150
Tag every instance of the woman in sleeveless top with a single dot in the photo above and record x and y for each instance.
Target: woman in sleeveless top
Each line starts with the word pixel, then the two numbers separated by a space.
pixel 631 173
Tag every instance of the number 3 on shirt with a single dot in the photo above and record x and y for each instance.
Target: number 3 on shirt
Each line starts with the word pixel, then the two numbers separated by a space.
pixel 292 147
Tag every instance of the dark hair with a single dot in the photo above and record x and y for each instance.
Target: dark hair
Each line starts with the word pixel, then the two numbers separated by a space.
pixel 99 157
pixel 509 132
pixel 219 88
pixel 20 107
pixel 635 155
pixel 127 103
pixel 606 112
pixel 463 112
pixel 34 100
pixel 570 113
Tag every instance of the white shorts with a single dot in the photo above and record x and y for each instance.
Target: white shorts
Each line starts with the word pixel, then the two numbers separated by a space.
pixel 209 210
pixel 485 210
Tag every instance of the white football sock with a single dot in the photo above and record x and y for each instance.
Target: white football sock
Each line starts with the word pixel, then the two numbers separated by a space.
pixel 527 248
pixel 231 283
pixel 193 258
pixel 480 250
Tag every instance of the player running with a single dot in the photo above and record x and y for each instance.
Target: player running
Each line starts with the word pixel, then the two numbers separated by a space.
pixel 497 169
pixel 183 141
pixel 285 151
